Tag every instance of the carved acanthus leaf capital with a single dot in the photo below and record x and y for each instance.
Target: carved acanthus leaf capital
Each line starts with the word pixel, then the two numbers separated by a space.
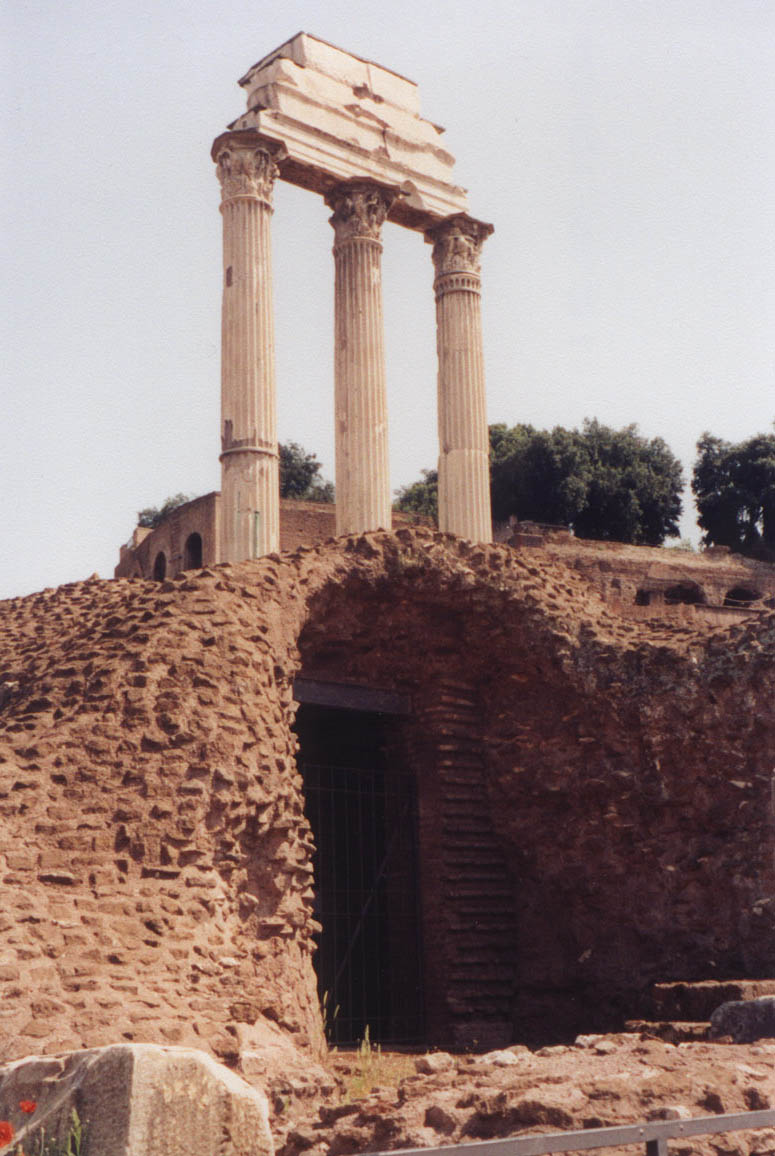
pixel 457 245
pixel 360 210
pixel 246 172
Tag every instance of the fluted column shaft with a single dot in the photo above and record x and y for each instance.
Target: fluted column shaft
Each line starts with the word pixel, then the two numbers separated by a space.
pixel 360 399
pixel 464 457
pixel 250 497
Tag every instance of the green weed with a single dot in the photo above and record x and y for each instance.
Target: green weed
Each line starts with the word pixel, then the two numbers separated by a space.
pixel 70 1146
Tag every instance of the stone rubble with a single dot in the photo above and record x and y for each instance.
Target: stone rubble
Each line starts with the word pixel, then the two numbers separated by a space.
pixel 476 1098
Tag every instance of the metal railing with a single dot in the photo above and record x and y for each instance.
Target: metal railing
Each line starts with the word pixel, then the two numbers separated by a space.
pixel 654 1135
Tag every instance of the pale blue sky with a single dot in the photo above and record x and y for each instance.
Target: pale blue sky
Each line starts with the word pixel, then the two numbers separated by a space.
pixel 624 150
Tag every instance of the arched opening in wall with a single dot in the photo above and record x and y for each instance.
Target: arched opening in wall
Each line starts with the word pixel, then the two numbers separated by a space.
pixel 360 801
pixel 192 552
pixel 686 593
pixel 741 596
pixel 643 598
pixel 160 566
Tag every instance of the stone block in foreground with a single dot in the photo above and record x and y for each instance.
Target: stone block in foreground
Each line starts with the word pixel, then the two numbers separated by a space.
pixel 745 1020
pixel 137 1099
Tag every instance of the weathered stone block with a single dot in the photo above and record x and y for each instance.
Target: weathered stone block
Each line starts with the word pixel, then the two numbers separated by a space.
pixel 137 1099
pixel 745 1020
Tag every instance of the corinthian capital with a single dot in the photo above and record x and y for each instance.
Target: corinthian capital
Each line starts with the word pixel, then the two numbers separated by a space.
pixel 457 245
pixel 360 210
pixel 245 167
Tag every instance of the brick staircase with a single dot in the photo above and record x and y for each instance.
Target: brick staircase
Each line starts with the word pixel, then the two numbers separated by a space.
pixel 476 892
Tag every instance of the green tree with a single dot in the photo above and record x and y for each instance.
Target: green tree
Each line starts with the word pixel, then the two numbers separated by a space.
pixel 634 487
pixel 536 475
pixel 300 475
pixel 420 497
pixel 153 516
pixel 604 483
pixel 734 487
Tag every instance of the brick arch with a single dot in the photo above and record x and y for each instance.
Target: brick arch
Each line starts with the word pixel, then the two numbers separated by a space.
pixel 408 620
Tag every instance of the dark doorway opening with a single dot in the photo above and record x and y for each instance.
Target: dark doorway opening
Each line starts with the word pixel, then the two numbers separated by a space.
pixel 741 596
pixel 688 593
pixel 192 552
pixel 360 802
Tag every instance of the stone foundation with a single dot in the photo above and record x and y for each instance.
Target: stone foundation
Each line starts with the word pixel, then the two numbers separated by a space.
pixel 594 796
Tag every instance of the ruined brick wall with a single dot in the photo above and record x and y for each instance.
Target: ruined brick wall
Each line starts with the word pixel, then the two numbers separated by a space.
pixel 305 523
pixel 649 581
pixel 156 860
pixel 200 516
pixel 301 524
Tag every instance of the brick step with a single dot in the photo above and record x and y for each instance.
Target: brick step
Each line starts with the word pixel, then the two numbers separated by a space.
pixel 492 948
pixel 462 806
pixel 475 860
pixel 459 891
pixel 671 1031
pixel 454 761
pixel 490 1008
pixel 465 799
pixel 477 915
pixel 467 873
pixel 489 975
pixel 469 837
pixel 478 954
pixel 467 756
pixel 466 868
pixel 481 854
pixel 453 725
pixel 470 841
pixel 463 783
pixel 468 816
pixel 473 831
pixel 450 744
pixel 469 833
pixel 697 1000
pixel 470 811
pixel 495 960
pixel 452 704
pixel 495 923
pixel 462 1002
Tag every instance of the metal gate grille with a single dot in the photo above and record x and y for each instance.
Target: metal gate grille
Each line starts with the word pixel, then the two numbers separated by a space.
pixel 362 813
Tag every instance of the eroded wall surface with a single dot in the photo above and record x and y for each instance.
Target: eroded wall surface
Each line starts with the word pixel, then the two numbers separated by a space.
pixel 156 862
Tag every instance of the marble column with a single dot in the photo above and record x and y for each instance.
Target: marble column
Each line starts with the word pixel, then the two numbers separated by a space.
pixel 363 499
pixel 464 459
pixel 250 496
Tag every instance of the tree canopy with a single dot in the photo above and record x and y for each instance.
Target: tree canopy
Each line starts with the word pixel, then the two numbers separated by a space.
pixel 300 475
pixel 420 497
pixel 734 487
pixel 606 484
pixel 153 516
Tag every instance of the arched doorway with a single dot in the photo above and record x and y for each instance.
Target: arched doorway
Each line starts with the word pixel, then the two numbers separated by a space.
pixel 160 566
pixel 192 552
pixel 684 593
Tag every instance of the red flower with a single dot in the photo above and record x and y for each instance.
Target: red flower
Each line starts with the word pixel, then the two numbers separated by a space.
pixel 6 1133
pixel 28 1106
